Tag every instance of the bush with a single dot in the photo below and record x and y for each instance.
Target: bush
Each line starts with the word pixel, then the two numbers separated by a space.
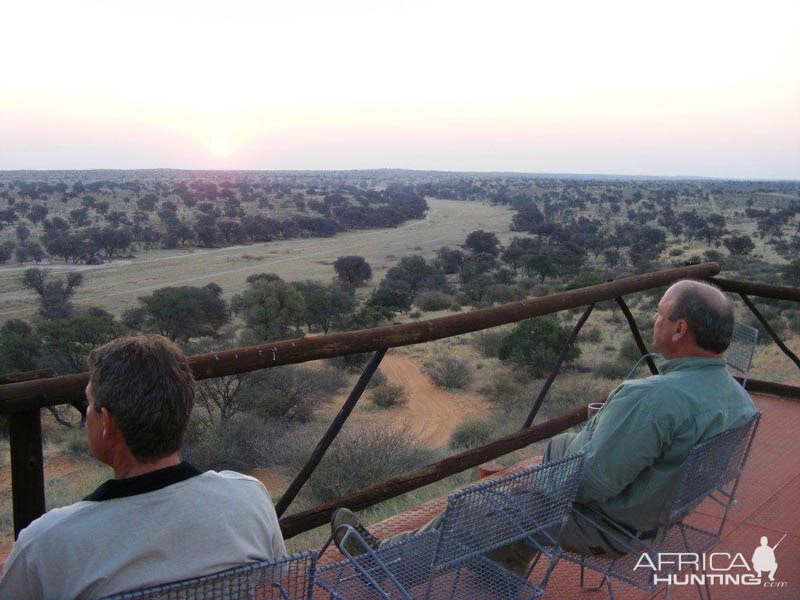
pixel 775 321
pixel 592 335
pixel 449 372
pixel 361 457
pixel 415 314
pixel 573 391
pixel 502 389
pixel 471 433
pixel 73 441
pixel 488 342
pixel 629 352
pixel 328 381
pixel 242 443
pixel 613 369
pixel 535 345
pixel 500 294
pixel 388 395
pixel 429 301
pixel 351 362
pixel 794 321
pixel 377 379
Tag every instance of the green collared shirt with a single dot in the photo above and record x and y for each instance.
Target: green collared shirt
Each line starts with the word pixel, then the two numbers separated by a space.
pixel 636 445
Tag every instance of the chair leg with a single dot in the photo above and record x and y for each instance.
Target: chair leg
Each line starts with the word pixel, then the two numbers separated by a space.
pixel 700 588
pixel 593 588
pixel 610 591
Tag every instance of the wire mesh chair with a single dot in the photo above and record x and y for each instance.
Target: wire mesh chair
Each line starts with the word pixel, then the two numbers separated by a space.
pixel 530 506
pixel 739 354
pixel 711 471
pixel 288 578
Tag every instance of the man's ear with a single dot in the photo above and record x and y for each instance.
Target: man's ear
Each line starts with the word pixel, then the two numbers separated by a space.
pixel 680 331
pixel 110 427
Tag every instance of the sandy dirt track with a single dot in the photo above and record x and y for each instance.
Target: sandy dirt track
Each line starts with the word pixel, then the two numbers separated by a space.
pixel 431 413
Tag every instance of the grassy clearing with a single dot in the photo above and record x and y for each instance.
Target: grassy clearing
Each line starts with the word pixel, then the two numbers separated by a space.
pixel 117 285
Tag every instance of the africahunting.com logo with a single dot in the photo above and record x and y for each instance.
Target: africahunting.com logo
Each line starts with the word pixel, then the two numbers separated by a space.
pixel 715 568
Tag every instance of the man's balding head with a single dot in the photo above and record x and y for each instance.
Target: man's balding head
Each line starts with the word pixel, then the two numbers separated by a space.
pixel 706 310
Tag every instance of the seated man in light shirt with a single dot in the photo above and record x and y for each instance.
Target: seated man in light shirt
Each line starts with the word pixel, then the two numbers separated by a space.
pixel 160 519
pixel 636 445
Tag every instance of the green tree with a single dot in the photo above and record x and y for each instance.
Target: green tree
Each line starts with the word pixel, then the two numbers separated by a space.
pixel 739 245
pixel 19 347
pixel 540 263
pixel 68 342
pixel 482 242
pixel 352 270
pixel 413 274
pixel 325 305
pixel 54 295
pixel 389 301
pixel 273 310
pixel 6 251
pixel 791 273
pixel 534 344
pixel 185 312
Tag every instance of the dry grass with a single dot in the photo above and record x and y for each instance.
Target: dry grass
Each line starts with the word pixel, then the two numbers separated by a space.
pixel 117 285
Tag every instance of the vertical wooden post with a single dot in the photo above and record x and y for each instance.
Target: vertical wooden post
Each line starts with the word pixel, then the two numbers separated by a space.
pixel 27 468
pixel 27 462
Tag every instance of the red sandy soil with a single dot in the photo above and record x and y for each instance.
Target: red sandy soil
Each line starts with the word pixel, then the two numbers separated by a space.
pixel 431 412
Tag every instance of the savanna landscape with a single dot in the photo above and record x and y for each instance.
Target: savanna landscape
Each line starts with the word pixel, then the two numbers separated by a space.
pixel 216 260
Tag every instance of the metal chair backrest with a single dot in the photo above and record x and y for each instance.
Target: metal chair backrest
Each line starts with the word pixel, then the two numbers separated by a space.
pixel 710 466
pixel 739 355
pixel 288 578
pixel 496 513
pixel 449 561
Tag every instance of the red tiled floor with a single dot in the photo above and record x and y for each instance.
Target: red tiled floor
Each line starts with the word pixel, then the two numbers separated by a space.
pixel 768 504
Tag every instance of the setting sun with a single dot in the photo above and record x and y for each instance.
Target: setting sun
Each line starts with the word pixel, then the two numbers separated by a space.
pixel 220 147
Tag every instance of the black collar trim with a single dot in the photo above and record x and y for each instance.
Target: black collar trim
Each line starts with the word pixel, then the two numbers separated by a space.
pixel 142 484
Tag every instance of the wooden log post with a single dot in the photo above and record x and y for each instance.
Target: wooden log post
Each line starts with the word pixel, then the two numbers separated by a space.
pixel 27 468
pixel 27 461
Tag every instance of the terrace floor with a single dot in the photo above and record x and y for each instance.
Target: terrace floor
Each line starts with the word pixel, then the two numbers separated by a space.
pixel 768 505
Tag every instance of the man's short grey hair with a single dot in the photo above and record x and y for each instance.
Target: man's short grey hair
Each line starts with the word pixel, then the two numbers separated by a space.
pixel 146 384
pixel 710 322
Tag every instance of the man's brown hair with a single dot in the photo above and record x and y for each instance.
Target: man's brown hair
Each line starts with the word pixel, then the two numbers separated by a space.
pixel 146 384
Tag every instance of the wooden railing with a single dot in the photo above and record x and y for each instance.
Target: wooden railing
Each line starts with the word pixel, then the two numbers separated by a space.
pixel 23 395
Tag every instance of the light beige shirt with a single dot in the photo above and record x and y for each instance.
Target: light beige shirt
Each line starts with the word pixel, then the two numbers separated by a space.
pixel 198 526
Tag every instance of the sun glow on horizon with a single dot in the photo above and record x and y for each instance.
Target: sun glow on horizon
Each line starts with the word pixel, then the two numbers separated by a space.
pixel 221 147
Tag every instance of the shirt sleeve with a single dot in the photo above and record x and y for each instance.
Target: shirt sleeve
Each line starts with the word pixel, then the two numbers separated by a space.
pixel 19 580
pixel 629 435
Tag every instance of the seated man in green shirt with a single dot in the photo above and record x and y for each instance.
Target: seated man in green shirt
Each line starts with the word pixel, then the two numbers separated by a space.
pixel 636 445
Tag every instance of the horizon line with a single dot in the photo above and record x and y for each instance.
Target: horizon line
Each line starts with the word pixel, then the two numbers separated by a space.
pixel 589 175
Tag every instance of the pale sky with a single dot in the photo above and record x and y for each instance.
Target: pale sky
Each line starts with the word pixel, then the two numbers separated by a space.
pixel 657 88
